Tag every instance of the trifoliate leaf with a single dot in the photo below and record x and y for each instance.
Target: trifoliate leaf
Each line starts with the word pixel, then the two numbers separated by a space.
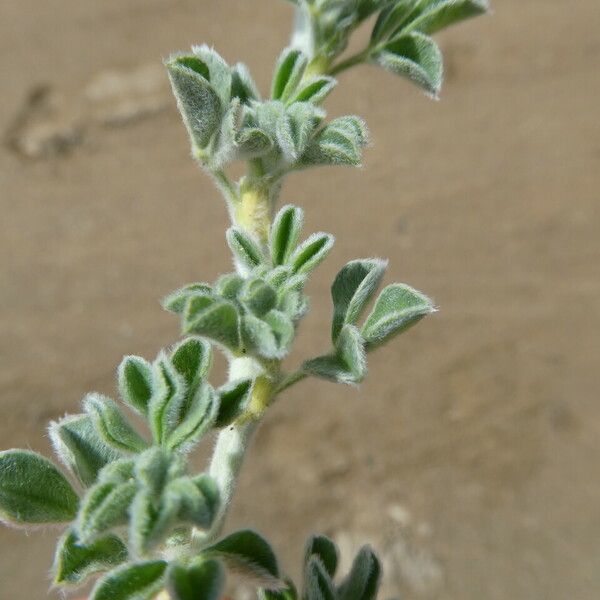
pixel 324 549
pixel 311 253
pixel 74 562
pixel 33 490
pixel 233 398
pixel 138 581
pixel 352 289
pixel 416 57
pixel 111 424
pixel 362 583
pixel 249 553
pixel 295 128
pixel 288 73
pixel 285 233
pixel 198 580
pixel 436 15
pixel 245 250
pixel 317 582
pixel 79 447
pixel 397 308
pixel 228 286
pixel 105 506
pixel 197 100
pixel 136 383
pixel 175 302
pixel 391 19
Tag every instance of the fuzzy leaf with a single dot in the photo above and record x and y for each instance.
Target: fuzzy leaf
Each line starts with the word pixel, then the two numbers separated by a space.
pixel 415 57
pixel 193 420
pixel 259 338
pixel 242 84
pixel 323 548
pixel 346 364
pixel 229 285
pixel 136 383
pixel 175 302
pixel 397 308
pixel 311 253
pixel 233 398
pixel 210 491
pixel 33 490
pixel 391 19
pixel 364 578
pixel 317 582
pixel 439 14
pixel 315 90
pixel 105 507
pixel 252 142
pixel 192 359
pixel 195 505
pixel 338 143
pixel 151 520
pixel 295 127
pixel 248 552
pixel 197 100
pixel 288 592
pixel 198 580
pixel 245 250
pixel 112 425
pixel 285 233
pixel 80 448
pixel 352 289
pixel 288 73
pixel 219 72
pixel 138 581
pixel 258 296
pixel 75 562
pixel 217 320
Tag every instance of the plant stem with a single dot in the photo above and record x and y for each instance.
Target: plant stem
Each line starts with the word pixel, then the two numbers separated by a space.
pixel 351 61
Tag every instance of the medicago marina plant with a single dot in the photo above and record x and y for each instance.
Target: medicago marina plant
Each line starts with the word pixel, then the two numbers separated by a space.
pixel 136 516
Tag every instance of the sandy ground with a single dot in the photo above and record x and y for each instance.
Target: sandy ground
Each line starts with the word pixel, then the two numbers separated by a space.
pixel 470 456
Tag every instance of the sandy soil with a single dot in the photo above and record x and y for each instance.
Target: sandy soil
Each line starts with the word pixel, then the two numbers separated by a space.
pixel 470 457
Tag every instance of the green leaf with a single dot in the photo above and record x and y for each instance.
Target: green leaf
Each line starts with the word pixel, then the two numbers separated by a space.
pixel 315 90
pixel 392 18
pixel 139 581
pixel 219 72
pixel 196 504
pixel 74 562
pixel 245 250
pixel 229 285
pixel 288 73
pixel 193 420
pixel 105 506
pixel 33 490
pixel 397 308
pixel 135 383
pixel 415 57
pixel 199 580
pixel 112 425
pixel 242 84
pixel 250 553
pixel 311 253
pixel 80 448
pixel 295 127
pixel 210 491
pixel 346 364
pixel 258 296
pixel 439 14
pixel 197 100
pixel 233 398
pixel 338 143
pixel 285 233
pixel 252 142
pixel 324 549
pixel 285 593
pixel 152 469
pixel 352 289
pixel 192 359
pixel 217 320
pixel 365 576
pixel 151 520
pixel 317 582
pixel 176 301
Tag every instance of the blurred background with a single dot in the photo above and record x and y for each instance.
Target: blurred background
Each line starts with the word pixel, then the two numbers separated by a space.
pixel 470 456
